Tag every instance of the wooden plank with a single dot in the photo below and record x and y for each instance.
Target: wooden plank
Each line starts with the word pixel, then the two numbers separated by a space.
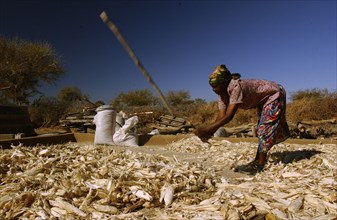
pixel 6 136
pixel 172 118
pixel 173 121
pixel 42 139
pixel 14 119
pixel 74 121
pixel 88 117
pixel 10 110
pixel 319 122
pixel 17 128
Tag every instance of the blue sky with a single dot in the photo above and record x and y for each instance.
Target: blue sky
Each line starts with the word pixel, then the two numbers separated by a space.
pixel 180 42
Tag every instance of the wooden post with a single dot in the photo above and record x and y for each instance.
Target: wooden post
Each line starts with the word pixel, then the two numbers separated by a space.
pixel 133 56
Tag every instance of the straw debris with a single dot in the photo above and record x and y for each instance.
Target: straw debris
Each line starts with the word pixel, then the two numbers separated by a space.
pixel 86 181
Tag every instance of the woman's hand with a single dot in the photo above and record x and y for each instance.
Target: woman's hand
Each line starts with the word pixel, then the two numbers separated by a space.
pixel 203 133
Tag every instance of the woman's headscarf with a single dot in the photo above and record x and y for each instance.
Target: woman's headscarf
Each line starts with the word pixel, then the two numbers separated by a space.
pixel 222 76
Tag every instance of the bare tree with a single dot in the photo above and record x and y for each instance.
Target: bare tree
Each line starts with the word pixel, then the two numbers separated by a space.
pixel 136 98
pixel 24 65
pixel 70 94
pixel 176 98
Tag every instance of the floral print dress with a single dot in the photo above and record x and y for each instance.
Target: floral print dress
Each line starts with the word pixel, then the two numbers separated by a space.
pixel 270 100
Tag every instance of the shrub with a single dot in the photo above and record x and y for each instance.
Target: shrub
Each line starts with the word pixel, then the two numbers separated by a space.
pixel 204 113
pixel 312 105
pixel 46 111
pixel 134 99
pixel 244 117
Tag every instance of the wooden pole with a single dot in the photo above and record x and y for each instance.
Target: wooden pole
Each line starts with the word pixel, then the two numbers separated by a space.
pixel 4 88
pixel 133 56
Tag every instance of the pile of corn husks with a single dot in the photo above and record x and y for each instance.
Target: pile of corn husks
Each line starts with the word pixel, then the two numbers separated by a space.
pixel 86 181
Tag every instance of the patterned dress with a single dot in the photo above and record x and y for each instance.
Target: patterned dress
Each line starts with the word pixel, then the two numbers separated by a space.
pixel 270 100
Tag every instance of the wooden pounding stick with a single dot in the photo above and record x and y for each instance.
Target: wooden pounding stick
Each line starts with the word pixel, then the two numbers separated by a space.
pixel 133 56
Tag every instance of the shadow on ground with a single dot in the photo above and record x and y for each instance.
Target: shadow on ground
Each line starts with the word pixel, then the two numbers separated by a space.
pixel 293 156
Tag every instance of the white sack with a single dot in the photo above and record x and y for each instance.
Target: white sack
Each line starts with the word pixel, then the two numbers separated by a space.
pixel 105 126
pixel 127 135
pixel 221 132
pixel 120 117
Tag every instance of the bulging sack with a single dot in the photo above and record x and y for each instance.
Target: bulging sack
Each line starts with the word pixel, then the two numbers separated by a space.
pixel 126 134
pixel 105 121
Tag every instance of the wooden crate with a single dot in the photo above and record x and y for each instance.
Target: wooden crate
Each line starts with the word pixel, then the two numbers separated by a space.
pixel 14 120
pixel 168 124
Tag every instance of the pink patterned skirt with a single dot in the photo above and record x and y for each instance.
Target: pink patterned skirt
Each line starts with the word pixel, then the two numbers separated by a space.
pixel 272 127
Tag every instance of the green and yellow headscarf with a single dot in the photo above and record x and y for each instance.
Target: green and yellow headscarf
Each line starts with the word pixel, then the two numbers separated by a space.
pixel 222 76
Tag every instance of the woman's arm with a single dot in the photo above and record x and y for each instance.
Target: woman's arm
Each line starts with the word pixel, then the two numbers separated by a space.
pixel 221 114
pixel 224 116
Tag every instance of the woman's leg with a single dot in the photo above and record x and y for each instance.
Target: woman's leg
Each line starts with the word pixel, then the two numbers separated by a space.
pixel 272 128
pixel 268 129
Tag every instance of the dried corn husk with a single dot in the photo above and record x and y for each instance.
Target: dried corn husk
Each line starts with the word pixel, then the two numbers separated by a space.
pixel 140 193
pixel 82 180
pixel 166 194
pixel 105 208
pixel 69 207
pixel 295 205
